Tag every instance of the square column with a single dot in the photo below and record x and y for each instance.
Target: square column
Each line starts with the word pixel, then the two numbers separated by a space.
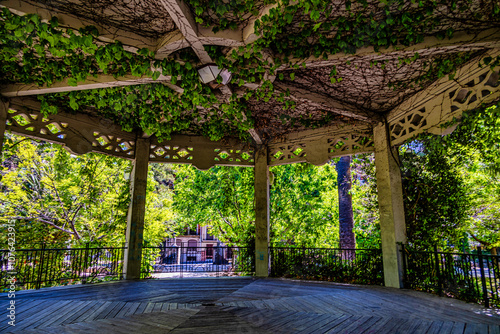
pixel 261 196
pixel 3 120
pixel 390 199
pixel 137 211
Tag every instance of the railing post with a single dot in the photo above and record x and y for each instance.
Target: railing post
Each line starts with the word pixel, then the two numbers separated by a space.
pixel 405 266
pixel 40 268
pixel 3 118
pixel 483 277
pixel 438 271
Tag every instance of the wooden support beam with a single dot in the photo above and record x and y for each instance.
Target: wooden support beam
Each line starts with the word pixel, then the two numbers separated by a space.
pixel 171 42
pixel 255 136
pixel 101 81
pixel 461 41
pixel 245 34
pixel 184 20
pixel 390 198
pixel 3 119
pixel 261 193
pixel 137 211
pixel 322 100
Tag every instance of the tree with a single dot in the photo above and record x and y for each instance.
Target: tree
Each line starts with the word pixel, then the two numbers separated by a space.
pixel 346 219
pixel 435 197
pixel 221 197
pixel 365 202
pixel 483 189
pixel 304 206
pixel 58 198
pixel 65 198
pixel 475 147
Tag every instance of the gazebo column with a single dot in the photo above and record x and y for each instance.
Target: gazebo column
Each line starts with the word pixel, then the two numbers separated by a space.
pixel 137 210
pixel 390 199
pixel 261 193
pixel 3 119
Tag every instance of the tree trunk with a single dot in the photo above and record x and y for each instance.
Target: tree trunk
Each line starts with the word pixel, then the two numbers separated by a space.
pixel 346 220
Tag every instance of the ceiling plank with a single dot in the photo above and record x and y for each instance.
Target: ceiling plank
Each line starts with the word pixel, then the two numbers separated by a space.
pixel 131 41
pixel 341 108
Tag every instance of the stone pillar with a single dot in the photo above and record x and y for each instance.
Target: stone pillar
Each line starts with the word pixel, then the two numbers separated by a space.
pixel 390 198
pixel 261 193
pixel 137 210
pixel 3 119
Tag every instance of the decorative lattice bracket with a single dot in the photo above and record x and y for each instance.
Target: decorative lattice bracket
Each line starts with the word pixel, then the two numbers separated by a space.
pixel 318 147
pixel 79 133
pixel 201 152
pixel 445 100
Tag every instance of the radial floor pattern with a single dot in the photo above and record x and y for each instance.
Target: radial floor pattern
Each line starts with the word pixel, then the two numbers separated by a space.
pixel 242 305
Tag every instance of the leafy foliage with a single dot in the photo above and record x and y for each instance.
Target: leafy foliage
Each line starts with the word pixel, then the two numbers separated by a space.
pixel 221 197
pixel 40 52
pixel 435 198
pixel 303 205
pixel 304 208
pixel 60 199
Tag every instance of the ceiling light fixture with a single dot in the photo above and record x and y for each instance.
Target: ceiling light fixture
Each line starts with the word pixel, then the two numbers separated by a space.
pixel 209 73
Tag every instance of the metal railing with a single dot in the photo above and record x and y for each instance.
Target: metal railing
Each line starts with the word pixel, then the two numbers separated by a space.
pixel 473 277
pixel 36 268
pixel 359 266
pixel 182 259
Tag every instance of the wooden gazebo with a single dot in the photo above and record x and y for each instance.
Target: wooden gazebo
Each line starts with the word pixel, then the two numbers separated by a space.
pixel 370 99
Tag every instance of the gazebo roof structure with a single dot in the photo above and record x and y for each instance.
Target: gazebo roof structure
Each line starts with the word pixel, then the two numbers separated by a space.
pixel 311 80
pixel 337 97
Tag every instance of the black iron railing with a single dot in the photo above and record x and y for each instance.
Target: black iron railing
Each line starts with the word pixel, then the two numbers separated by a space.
pixel 36 268
pixel 360 266
pixel 471 277
pixel 182 259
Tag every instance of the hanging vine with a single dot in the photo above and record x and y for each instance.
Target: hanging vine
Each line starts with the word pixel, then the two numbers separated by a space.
pixel 34 51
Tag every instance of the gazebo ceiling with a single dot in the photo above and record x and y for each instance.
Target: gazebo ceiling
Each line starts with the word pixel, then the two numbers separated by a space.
pixel 331 75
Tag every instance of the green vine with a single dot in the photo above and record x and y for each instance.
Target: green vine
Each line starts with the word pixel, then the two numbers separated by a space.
pixel 43 53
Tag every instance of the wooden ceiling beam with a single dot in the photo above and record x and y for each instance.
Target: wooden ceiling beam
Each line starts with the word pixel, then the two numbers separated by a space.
pixel 461 40
pixel 101 81
pixel 184 20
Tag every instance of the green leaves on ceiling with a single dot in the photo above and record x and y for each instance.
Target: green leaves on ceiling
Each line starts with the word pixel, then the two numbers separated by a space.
pixel 43 53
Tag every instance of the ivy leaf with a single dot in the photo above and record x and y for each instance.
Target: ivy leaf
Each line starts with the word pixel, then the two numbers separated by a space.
pixel 156 75
pixel 131 98
pixel 72 103
pixel 317 25
pixel 72 82
pixel 315 15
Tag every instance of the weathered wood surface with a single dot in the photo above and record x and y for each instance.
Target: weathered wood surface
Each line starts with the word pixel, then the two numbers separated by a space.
pixel 242 305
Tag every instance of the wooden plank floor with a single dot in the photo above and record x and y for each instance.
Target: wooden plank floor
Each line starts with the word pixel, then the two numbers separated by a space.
pixel 241 305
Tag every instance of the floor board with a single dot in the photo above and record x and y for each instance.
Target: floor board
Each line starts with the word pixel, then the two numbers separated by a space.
pixel 243 305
